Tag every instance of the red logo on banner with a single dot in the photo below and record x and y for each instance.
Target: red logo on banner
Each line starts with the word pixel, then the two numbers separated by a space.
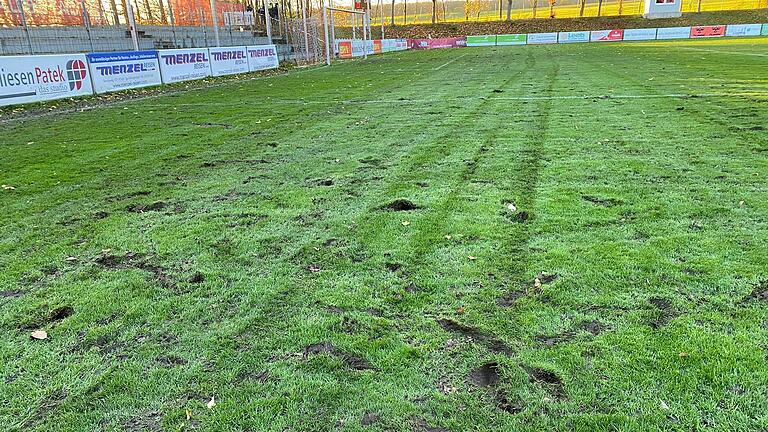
pixel 377 46
pixel 707 31
pixel 345 49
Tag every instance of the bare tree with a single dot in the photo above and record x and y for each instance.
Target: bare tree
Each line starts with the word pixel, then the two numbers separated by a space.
pixel 509 10
pixel 434 10
pixel 581 10
pixel 534 5
pixel 393 13
pixel 552 8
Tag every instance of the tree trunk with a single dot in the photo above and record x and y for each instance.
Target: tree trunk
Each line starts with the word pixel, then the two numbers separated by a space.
pixel 599 7
pixel 581 11
pixel 434 10
pixel 509 10
pixel 393 13
pixel 405 12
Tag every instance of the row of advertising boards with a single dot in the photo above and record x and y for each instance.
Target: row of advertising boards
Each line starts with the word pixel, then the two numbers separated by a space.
pixel 620 35
pixel 348 48
pixel 25 79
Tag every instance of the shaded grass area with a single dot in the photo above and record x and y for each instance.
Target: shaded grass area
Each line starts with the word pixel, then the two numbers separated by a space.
pixel 525 238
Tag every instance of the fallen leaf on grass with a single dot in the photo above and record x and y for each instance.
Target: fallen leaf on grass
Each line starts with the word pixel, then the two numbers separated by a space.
pixel 448 237
pixel 39 335
pixel 664 406
pixel 405 223
pixel 189 415
pixel 211 403
pixel 537 283
pixel 511 207
pixel 460 310
pixel 7 187
pixel 472 258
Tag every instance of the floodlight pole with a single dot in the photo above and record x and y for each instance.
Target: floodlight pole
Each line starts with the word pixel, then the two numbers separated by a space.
pixel 327 40
pixel 267 20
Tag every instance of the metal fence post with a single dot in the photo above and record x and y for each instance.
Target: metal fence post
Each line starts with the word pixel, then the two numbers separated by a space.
pixel 327 41
pixel 173 25
pixel 306 32
pixel 87 24
pixel 215 17
pixel 24 25
pixel 132 24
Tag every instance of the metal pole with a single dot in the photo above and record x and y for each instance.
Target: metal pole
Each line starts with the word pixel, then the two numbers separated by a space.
pixel 381 14
pixel 215 18
pixel 365 39
pixel 87 25
pixel 132 24
pixel 268 21
pixel 327 36
pixel 173 25
pixel 306 33
pixel 24 25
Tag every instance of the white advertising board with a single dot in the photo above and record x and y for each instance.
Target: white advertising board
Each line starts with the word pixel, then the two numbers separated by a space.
pixel 542 38
pixel 179 65
pixel 673 33
pixel 573 37
pixel 262 57
pixel 228 60
pixel 388 45
pixel 743 30
pixel 639 34
pixel 124 70
pixel 26 79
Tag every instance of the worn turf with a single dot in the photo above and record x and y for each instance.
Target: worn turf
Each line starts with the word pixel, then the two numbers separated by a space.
pixel 514 238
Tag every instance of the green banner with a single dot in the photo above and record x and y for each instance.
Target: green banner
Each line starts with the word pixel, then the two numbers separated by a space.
pixel 511 39
pixel 485 40
pixel 765 30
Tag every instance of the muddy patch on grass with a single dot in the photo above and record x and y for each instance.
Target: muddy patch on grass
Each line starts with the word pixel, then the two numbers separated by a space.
pixel 213 125
pixel 604 202
pixel 100 215
pixel 548 380
pixel 170 361
pixel 490 342
pixel 15 293
pixel 486 375
pixel 132 260
pixel 369 419
pixel 510 298
pixel 551 340
pixel 145 422
pixel 420 425
pixel 665 312
pixel 197 278
pixel 393 266
pixel 400 205
pixel 220 162
pixel 47 405
pixel 351 360
pixel 144 208
pixel 593 327
pixel 759 292
pixel 61 313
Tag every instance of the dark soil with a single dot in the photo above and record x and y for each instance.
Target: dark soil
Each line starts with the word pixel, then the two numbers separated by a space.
pixel 401 205
pixel 143 208
pixel 666 312
pixel 510 298
pixel 486 375
pixel 352 361
pixel 136 261
pixel 146 422
pixel 490 342
pixel 369 419
pixel 605 202
pixel 548 380
pixel 197 278
pixel 11 293
pixel 100 215
pixel 593 327
pixel 759 292
pixel 61 313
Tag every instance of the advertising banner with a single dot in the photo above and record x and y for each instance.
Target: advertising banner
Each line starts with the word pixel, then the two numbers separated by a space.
pixel 262 57
pixel 486 40
pixel 673 33
pixel 639 34
pixel 179 65
pixel 377 46
pixel 26 79
pixel 511 39
pixel 228 60
pixel 743 30
pixel 707 31
pixel 388 45
pixel 454 42
pixel 124 70
pixel 345 49
pixel 607 35
pixel 764 32
pixel 542 38
pixel 573 37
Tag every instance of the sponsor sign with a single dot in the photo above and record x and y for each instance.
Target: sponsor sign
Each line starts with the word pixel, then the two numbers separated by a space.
pixel 764 32
pixel 511 39
pixel 238 19
pixel 39 78
pixel 454 42
pixel 607 35
pixel 377 46
pixel 345 49
pixel 179 65
pixel 542 38
pixel 124 70
pixel 262 57
pixel 388 45
pixel 639 34
pixel 673 33
pixel 487 40
pixel 572 37
pixel 743 30
pixel 228 60
pixel 707 31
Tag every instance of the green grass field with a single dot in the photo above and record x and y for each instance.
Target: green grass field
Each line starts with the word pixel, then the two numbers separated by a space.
pixel 244 242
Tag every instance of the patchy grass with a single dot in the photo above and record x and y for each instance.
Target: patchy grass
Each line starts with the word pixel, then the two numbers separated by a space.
pixel 522 238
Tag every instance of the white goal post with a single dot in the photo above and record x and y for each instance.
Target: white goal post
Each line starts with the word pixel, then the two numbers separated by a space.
pixel 330 40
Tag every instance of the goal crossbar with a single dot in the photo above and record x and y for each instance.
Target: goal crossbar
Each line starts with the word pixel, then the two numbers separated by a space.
pixel 366 29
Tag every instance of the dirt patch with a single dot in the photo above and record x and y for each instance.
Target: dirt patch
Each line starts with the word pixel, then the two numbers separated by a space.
pixel 11 293
pixel 324 182
pixel 521 217
pixel 486 375
pixel 593 327
pixel 490 342
pixel 604 202
pixel 759 292
pixel 100 215
pixel 666 312
pixel 197 278
pixel 136 261
pixel 400 205
pixel 210 125
pixel 420 425
pixel 169 361
pixel 546 278
pixel 369 419
pixel 555 339
pixel 145 422
pixel 47 405
pixel 352 361
pixel 218 162
pixel 143 208
pixel 61 313
pixel 510 298
pixel 393 267
pixel 547 380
